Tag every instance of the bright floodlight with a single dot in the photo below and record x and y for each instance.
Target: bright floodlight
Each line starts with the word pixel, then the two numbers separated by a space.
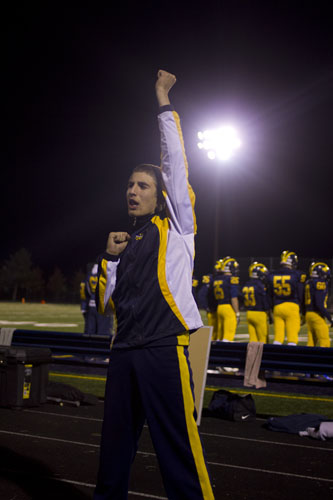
pixel 220 143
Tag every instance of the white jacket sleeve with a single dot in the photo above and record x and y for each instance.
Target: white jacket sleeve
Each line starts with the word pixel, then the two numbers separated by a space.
pixel 106 285
pixel 180 198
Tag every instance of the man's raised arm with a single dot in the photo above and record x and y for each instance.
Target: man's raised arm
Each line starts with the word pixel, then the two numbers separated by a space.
pixel 180 197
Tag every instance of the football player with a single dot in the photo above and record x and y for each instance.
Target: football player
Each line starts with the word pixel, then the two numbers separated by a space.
pixel 202 292
pixel 256 302
pixel 95 323
pixel 83 302
pixel 207 300
pixel 225 290
pixel 195 288
pixel 316 295
pixel 206 304
pixel 286 289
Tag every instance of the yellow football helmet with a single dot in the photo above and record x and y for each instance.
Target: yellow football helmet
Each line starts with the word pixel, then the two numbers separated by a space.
pixel 289 258
pixel 230 265
pixel 319 270
pixel 258 270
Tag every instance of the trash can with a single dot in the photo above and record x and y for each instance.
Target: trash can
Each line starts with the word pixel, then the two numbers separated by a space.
pixel 24 374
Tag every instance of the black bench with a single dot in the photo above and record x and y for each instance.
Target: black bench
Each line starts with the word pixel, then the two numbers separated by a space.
pixel 80 349
pixel 67 348
pixel 282 358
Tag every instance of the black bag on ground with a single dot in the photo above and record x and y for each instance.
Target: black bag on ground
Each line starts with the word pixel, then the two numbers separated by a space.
pixel 230 406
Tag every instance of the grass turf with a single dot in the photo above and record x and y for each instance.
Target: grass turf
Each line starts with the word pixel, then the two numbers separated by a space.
pixel 68 318
pixel 268 403
pixel 58 317
pixel 33 316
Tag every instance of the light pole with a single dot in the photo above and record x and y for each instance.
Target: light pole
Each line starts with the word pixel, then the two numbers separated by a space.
pixel 220 144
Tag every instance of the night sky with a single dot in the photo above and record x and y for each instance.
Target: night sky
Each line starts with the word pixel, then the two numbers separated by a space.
pixel 82 113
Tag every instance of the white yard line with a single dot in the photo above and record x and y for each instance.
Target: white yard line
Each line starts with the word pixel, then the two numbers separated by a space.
pixel 4 322
pixel 21 323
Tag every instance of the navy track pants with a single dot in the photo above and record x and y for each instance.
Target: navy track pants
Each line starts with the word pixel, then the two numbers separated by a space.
pixel 153 384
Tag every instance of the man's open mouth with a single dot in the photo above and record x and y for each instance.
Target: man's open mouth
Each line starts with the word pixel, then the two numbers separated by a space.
pixel 132 203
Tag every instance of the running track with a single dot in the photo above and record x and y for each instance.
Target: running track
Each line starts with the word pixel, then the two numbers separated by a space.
pixel 51 452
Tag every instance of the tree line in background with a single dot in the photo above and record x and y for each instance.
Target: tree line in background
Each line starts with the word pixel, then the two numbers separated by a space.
pixel 20 279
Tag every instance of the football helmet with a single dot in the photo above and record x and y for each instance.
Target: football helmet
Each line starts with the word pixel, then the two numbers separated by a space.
pixel 289 258
pixel 230 265
pixel 319 270
pixel 218 263
pixel 217 266
pixel 258 270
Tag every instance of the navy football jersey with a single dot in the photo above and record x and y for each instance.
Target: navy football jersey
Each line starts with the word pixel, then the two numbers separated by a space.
pixel 286 285
pixel 202 299
pixel 224 288
pixel 255 296
pixel 316 295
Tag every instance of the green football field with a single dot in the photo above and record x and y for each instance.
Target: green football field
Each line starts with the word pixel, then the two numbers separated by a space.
pixel 68 318
pixel 32 316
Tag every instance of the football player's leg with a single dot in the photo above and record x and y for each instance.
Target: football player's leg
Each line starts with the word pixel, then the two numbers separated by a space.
pixel 279 325
pixel 220 323
pixel 230 324
pixel 166 385
pixel 293 323
pixel 104 324
pixel 262 327
pixel 91 321
pixel 322 332
pixel 310 342
pixel 214 324
pixel 86 322
pixel 251 328
pixel 212 321
pixel 311 331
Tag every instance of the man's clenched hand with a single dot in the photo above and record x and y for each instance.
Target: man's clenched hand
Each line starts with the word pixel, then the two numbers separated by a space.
pixel 117 242
pixel 165 81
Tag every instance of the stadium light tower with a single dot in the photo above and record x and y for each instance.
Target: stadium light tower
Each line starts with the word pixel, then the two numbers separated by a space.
pixel 220 144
